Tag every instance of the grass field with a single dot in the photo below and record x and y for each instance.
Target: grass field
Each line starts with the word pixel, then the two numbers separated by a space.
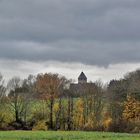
pixel 63 135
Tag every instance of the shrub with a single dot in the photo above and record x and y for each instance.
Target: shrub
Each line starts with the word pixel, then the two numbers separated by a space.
pixel 136 130
pixel 40 125
pixel 4 120
pixel 117 126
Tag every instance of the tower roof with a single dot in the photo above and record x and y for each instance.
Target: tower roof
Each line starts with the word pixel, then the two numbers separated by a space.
pixel 82 76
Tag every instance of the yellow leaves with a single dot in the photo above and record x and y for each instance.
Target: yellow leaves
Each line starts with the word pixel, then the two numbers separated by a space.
pixel 106 123
pixel 56 107
pixel 78 114
pixel 79 105
pixel 40 125
pixel 89 123
pixel 131 109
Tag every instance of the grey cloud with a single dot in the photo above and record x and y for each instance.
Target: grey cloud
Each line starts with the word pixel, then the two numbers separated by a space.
pixel 97 32
pixel 94 53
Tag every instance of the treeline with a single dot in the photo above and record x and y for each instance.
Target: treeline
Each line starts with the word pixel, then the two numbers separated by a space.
pixel 45 102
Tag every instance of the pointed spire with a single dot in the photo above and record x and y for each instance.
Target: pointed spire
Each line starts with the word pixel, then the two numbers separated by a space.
pixel 82 78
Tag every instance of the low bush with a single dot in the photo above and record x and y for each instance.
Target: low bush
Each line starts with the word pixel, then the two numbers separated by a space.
pixel 40 125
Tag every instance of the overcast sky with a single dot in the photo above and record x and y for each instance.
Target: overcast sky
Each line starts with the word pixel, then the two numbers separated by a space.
pixel 99 37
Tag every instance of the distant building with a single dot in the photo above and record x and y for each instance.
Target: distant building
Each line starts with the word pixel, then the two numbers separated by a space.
pixel 82 79
pixel 81 87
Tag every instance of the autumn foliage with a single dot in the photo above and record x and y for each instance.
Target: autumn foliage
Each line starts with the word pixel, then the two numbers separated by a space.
pixel 46 102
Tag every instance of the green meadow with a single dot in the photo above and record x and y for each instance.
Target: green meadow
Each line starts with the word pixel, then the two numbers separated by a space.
pixel 65 135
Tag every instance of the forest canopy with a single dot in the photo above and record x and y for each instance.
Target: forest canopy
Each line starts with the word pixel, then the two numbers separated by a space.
pixel 46 102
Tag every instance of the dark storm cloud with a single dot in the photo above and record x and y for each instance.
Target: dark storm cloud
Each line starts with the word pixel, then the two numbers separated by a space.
pixel 96 32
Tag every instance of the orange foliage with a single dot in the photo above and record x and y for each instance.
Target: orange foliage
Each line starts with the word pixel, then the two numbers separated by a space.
pixel 131 109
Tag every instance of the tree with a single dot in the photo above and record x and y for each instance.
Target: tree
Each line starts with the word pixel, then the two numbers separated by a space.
pixel 48 87
pixel 98 103
pixel 3 113
pixel 2 90
pixel 93 104
pixel 133 80
pixel 27 92
pixel 116 94
pixel 78 118
pixel 19 99
pixel 131 110
pixel 131 114
pixel 70 106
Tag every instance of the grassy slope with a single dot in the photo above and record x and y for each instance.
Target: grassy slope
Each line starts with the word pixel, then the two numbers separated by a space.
pixel 63 135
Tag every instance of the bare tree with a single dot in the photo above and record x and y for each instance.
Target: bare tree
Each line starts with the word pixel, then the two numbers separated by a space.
pixel 94 102
pixel 19 99
pixel 133 81
pixel 2 90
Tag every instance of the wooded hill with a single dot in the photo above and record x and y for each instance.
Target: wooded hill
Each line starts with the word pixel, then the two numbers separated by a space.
pixel 45 102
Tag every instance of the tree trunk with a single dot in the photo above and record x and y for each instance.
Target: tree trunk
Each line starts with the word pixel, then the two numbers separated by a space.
pixel 51 113
pixel 17 116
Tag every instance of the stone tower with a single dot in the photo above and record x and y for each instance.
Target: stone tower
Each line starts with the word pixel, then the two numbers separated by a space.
pixel 82 79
